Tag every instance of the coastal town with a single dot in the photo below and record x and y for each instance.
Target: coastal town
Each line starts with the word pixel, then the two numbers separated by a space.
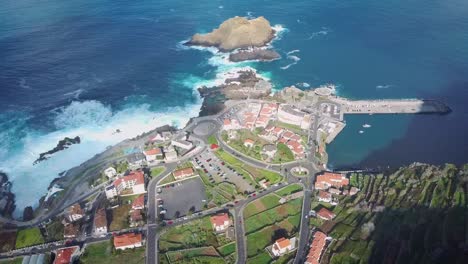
pixel 245 182
pixel 247 185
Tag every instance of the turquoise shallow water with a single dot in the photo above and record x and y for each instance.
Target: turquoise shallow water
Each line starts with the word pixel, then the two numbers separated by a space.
pixel 85 68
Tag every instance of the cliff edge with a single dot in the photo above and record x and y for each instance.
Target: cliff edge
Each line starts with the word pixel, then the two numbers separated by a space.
pixel 236 32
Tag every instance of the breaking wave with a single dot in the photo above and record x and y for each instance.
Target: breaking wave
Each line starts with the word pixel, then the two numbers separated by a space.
pixel 323 32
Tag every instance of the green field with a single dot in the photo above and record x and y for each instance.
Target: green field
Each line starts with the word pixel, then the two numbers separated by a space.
pixel 262 226
pixel 168 179
pixel 29 237
pixel 103 253
pixel 157 171
pixel 195 241
pixel 212 140
pixel 12 261
pixel 293 188
pixel 120 217
pixel 262 258
pixel 284 154
pixel 260 205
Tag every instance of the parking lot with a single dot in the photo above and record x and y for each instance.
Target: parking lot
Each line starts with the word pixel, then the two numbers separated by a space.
pixel 218 171
pixel 181 197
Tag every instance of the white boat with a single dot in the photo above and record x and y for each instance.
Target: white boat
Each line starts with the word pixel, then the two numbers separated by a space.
pixel 361 131
pixel 366 125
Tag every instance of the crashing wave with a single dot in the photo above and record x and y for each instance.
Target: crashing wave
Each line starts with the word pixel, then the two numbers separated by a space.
pixel 386 86
pixel 322 32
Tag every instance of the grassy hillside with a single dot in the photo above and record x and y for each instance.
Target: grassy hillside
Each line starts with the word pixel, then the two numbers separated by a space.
pixel 417 214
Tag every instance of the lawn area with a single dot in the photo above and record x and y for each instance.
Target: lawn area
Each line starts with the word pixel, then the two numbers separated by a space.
pixel 168 179
pixel 212 140
pixel 54 231
pixel 102 253
pixel 260 174
pixel 12 261
pixel 120 217
pixel 227 249
pixel 262 229
pixel 185 255
pixel 260 205
pixel 157 171
pixel 284 154
pixel 262 258
pixel 293 188
pixel 195 242
pixel 29 237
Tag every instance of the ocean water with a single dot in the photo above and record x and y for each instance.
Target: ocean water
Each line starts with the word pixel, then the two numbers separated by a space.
pixel 86 68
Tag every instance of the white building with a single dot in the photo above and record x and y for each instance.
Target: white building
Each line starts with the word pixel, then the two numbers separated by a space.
pixel 111 191
pixel 153 154
pixel 75 212
pixel 220 222
pixel 100 222
pixel 184 144
pixel 231 124
pixel 136 160
pixel 134 183
pixel 170 154
pixel 283 246
pixel 110 172
pixel 290 115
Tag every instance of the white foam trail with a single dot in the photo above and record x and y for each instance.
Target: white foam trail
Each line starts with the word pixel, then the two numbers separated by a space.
pixel 250 15
pixel 322 32
pixel 294 58
pixel 386 86
pixel 95 124
pixel 75 94
pixel 22 84
pixel 220 7
pixel 292 52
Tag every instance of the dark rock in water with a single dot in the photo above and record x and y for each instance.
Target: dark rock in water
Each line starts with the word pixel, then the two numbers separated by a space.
pixel 246 85
pixel 7 198
pixel 28 213
pixel 256 54
pixel 62 144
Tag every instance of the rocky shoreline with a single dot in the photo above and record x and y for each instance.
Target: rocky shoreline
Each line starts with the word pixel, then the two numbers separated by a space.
pixel 7 198
pixel 61 145
pixel 255 54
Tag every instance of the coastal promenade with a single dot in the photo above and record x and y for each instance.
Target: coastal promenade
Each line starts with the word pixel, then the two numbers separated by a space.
pixel 391 106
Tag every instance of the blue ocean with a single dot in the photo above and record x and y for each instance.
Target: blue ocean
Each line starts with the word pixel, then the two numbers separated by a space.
pixel 86 68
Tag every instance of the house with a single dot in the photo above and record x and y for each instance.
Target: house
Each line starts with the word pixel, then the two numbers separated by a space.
pixel 129 240
pixel 325 214
pixel 324 197
pixel 170 154
pixel 231 124
pixel 264 184
pixel 183 173
pixel 74 213
pixel 110 172
pixel 220 222
pixel 71 230
pixel 316 248
pixel 153 154
pixel 111 191
pixel 66 255
pixel 268 136
pixel 269 150
pixel 249 143
pixel 183 144
pixel 134 183
pixel 139 203
pixel 100 222
pixel 136 218
pixel 334 191
pixel 353 191
pixel 214 146
pixel 136 160
pixel 329 179
pixel 283 246
pixel 162 136
pixel 296 148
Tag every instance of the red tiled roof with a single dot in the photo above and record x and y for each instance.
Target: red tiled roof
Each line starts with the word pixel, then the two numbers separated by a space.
pixel 324 195
pixel 64 255
pixel 75 209
pixel 183 172
pixel 136 216
pixel 219 219
pixel 71 230
pixel 226 122
pixel 139 202
pixel 316 248
pixel 249 141
pixel 331 179
pixel 127 240
pixel 136 176
pixel 214 146
pixel 283 243
pixel 326 214
pixel 155 151
pixel 100 218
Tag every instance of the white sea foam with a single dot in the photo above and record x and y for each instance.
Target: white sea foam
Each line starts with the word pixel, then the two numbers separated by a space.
pixel 95 123
pixel 250 15
pixel 220 7
pixel 386 86
pixel 295 59
pixel 279 31
pixel 75 94
pixel 324 31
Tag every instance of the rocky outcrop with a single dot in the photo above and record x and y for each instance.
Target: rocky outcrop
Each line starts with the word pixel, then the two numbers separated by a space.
pixel 61 145
pixel 246 84
pixel 255 54
pixel 237 32
pixel 7 198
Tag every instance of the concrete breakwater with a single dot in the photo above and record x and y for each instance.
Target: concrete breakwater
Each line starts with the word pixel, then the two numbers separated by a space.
pixel 392 106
